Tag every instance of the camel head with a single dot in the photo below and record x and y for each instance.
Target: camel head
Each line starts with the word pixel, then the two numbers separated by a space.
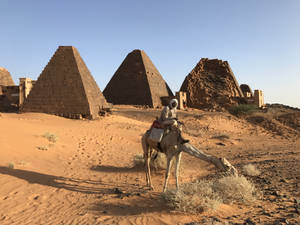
pixel 228 168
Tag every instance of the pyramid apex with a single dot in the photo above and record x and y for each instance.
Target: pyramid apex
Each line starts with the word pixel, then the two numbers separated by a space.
pixel 67 47
pixel 137 51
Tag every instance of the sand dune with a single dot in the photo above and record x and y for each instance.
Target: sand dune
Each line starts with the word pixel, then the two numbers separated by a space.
pixel 76 179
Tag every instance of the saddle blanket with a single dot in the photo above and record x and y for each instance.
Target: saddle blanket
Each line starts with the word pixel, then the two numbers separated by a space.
pixel 156 134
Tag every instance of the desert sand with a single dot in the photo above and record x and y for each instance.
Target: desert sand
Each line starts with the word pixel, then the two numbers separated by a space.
pixel 88 176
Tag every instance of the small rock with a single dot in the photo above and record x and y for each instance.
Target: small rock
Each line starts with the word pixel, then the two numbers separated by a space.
pixel 275 193
pixel 297 201
pixel 249 221
pixel 117 191
pixel 266 213
pixel 291 215
pixel 192 223
pixel 281 221
pixel 283 180
pixel 220 143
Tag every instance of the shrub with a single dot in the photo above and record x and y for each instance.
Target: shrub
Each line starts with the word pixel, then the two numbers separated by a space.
pixel 51 137
pixel 251 170
pixel 242 109
pixel 204 195
pixel 234 188
pixel 193 197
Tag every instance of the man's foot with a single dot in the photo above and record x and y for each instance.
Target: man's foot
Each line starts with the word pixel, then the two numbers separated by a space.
pixel 183 141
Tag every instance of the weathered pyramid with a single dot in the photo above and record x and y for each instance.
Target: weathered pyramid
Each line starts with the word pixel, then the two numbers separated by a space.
pixel 66 88
pixel 211 85
pixel 5 79
pixel 137 82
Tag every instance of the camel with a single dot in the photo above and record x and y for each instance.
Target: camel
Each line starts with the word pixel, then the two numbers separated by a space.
pixel 171 146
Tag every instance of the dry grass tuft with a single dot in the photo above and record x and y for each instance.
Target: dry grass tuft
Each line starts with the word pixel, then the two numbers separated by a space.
pixel 11 165
pixel 251 170
pixel 235 189
pixel 138 160
pixel 205 195
pixel 193 197
pixel 51 137
pixel 158 162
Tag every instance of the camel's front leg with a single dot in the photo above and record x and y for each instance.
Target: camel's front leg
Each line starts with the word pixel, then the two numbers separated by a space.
pixel 169 166
pixel 178 158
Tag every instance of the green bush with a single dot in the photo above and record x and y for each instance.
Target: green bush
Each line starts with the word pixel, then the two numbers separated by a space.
pixel 243 109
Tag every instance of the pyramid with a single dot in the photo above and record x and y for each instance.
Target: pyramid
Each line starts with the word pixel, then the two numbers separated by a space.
pixel 211 85
pixel 137 82
pixel 5 79
pixel 66 88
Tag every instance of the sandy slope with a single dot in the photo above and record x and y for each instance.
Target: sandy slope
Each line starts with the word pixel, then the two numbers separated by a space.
pixel 74 181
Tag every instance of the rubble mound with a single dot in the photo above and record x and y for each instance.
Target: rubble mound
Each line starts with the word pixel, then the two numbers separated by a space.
pixel 211 85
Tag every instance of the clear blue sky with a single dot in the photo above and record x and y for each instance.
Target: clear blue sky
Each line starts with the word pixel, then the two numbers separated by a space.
pixel 259 38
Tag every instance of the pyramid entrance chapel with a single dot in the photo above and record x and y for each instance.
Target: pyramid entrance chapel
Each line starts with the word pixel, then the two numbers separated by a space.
pixel 137 82
pixel 65 88
pixel 212 85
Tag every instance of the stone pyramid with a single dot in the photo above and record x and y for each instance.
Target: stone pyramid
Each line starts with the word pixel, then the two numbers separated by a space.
pixel 66 88
pixel 5 79
pixel 137 82
pixel 211 85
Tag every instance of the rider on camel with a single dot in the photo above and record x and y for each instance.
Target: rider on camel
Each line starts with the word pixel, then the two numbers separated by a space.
pixel 168 118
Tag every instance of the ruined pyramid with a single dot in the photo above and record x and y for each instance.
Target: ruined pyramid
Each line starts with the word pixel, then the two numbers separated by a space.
pixel 5 79
pixel 211 85
pixel 137 82
pixel 66 88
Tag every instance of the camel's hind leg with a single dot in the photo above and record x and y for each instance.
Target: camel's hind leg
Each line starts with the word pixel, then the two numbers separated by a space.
pixel 147 157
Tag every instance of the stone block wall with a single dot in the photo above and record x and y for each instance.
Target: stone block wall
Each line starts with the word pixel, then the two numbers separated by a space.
pixel 258 98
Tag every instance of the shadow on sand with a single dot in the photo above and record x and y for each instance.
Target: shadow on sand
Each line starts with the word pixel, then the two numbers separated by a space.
pixel 71 184
pixel 115 169
pixel 114 199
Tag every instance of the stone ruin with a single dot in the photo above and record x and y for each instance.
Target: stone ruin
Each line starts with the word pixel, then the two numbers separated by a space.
pixel 66 88
pixel 211 85
pixel 256 98
pixel 246 90
pixel 137 82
